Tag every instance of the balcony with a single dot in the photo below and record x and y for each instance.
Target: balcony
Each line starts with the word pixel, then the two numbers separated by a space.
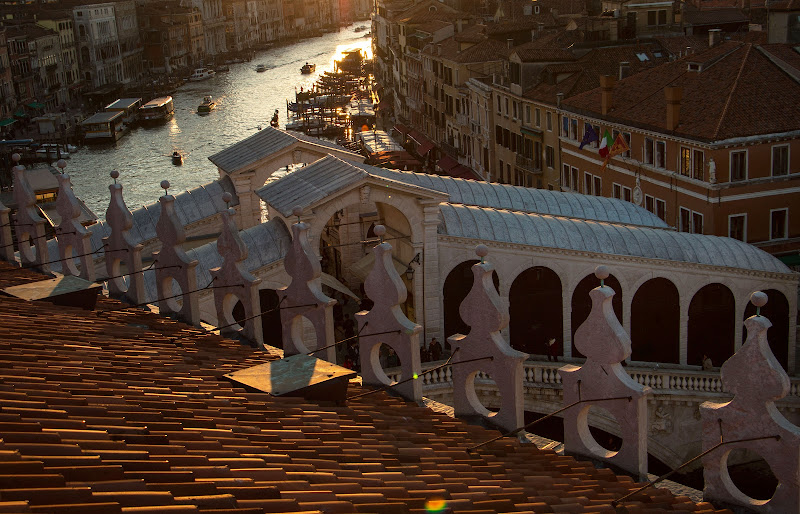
pixel 527 164
pixel 451 150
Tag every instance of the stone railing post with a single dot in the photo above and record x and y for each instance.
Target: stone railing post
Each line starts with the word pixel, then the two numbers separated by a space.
pixel 29 225
pixel 303 297
pixel 605 344
pixel 486 314
pixel 6 239
pixel 234 283
pixel 120 249
pixel 756 379
pixel 72 237
pixel 385 287
pixel 173 265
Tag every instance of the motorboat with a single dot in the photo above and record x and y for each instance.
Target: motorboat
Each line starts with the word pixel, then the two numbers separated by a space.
pixel 157 110
pixel 55 151
pixel 177 158
pixel 261 68
pixel 308 68
pixel 207 106
pixel 274 121
pixel 202 74
pixel 360 28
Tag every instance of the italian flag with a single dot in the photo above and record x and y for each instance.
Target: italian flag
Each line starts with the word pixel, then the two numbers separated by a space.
pixel 605 144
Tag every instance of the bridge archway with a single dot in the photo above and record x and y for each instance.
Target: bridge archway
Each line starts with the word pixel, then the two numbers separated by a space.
pixel 582 303
pixel 712 325
pixel 456 287
pixel 655 322
pixel 777 311
pixel 535 307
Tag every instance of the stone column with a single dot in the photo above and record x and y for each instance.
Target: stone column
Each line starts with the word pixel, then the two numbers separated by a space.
pixel 602 381
pixel 739 308
pixel 486 314
pixel 72 237
pixel 566 316
pixel 120 248
pixel 416 285
pixel 385 287
pixel 29 225
pixel 249 214
pixel 683 341
pixel 233 282
pixel 172 263
pixel 303 297
pixel 432 286
pixel 756 380
pixel 6 241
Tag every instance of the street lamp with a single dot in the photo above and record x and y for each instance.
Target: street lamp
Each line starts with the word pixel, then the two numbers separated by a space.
pixel 409 270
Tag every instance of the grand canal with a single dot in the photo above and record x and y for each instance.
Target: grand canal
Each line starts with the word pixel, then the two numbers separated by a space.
pixel 245 100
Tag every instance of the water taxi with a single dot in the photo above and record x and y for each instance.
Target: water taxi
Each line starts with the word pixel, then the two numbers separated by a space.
pixel 308 68
pixel 129 107
pixel 207 106
pixel 201 74
pixel 157 110
pixel 104 127
pixel 261 68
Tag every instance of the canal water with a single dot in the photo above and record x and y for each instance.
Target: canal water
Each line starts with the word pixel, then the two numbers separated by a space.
pixel 245 100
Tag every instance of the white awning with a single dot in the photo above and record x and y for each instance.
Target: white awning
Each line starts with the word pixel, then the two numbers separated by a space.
pixel 333 283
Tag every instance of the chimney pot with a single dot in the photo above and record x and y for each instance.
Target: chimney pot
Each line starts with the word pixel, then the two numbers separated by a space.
pixel 606 89
pixel 714 37
pixel 510 43
pixel 673 95
pixel 559 99
pixel 624 69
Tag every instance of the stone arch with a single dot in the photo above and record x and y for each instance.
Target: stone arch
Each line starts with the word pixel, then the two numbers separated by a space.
pixel 270 321
pixel 777 312
pixel 455 288
pixel 711 325
pixel 582 302
pixel 655 322
pixel 521 268
pixel 535 307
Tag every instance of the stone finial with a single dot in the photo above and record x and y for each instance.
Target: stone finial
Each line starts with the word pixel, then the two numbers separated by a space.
pixel 72 236
pixel 387 290
pixel 601 272
pixel 756 379
pixel 605 344
pixel 172 263
pixel 303 298
pixel 6 240
pixel 486 314
pixel 233 282
pixel 165 186
pixel 120 248
pixel 29 225
pixel 61 164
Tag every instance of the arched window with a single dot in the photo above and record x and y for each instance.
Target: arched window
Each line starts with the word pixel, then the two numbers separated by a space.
pixel 536 311
pixel 712 324
pixel 655 322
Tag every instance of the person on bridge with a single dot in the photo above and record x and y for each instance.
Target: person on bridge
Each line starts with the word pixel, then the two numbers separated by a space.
pixel 552 350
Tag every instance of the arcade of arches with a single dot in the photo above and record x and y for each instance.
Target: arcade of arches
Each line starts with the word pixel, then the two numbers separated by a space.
pixel 536 311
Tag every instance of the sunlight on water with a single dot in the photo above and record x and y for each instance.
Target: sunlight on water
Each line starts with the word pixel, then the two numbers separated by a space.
pixel 245 101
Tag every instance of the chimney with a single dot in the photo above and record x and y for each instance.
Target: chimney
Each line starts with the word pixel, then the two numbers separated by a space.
pixel 438 49
pixel 510 43
pixel 624 69
pixel 688 50
pixel 673 96
pixel 559 99
pixel 606 87
pixel 460 25
pixel 714 37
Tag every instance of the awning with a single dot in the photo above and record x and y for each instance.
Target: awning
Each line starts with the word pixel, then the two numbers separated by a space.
pixel 6 121
pixel 530 131
pixel 424 145
pixel 462 171
pixel 20 114
pixel 363 266
pixel 36 105
pixel 447 163
pixel 400 128
pixel 333 283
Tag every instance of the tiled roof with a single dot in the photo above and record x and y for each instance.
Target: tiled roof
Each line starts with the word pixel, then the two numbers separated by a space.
pixel 252 149
pixel 738 92
pixel 532 52
pixel 426 10
pixel 129 412
pixel 694 16
pixel 603 238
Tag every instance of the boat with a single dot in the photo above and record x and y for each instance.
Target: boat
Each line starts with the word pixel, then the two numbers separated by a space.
pixel 360 28
pixel 104 127
pixel 207 106
pixel 304 124
pixel 55 151
pixel 128 106
pixel 177 158
pixel 201 74
pixel 157 110
pixel 222 68
pixel 308 68
pixel 274 121
pixel 261 68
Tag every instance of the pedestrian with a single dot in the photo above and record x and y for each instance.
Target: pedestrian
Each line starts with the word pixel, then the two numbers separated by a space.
pixel 424 354
pixel 435 349
pixel 707 364
pixel 552 350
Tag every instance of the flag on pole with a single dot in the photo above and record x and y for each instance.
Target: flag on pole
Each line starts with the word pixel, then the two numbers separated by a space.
pixel 589 136
pixel 620 146
pixel 605 144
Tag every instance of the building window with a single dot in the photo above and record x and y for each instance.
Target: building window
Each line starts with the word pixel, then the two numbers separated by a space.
pixel 528 114
pixel 587 183
pixel 499 106
pixel 691 221
pixel 661 154
pixel 500 172
pixel 698 162
pixel 573 129
pixel 627 137
pixel 778 226
pixel 538 117
pixel 649 150
pixel 564 126
pixel 506 106
pixel 737 227
pixel 697 223
pixel 565 175
pixel 738 165
pixel 661 209
pixel 780 160
pixel 616 191
pixel 575 184
pixel 549 156
pixel 549 121
pixel 650 203
pixel 598 186
pixel 685 164
pixel 514 113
